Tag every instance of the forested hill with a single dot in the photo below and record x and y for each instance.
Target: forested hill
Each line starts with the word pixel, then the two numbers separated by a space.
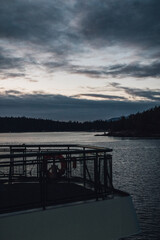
pixel 23 124
pixel 146 124
pixel 140 124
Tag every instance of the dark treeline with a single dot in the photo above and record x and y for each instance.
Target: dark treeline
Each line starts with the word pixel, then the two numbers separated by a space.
pixel 140 124
pixel 23 124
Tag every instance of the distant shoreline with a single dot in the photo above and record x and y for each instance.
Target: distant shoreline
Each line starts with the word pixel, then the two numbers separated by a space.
pixel 145 124
pixel 132 134
pixel 121 134
pixel 93 131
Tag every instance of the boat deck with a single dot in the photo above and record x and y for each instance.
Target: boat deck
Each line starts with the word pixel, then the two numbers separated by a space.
pixel 22 196
pixel 34 176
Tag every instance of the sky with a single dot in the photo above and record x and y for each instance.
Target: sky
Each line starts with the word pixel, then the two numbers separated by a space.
pixel 79 60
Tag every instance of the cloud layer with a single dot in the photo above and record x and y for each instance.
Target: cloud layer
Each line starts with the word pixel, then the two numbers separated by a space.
pixel 108 40
pixel 65 28
pixel 59 107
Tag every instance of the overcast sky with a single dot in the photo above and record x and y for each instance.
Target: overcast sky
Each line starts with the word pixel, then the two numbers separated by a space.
pixel 78 59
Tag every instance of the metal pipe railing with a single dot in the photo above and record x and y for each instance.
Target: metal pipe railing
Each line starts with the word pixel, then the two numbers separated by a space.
pixel 69 173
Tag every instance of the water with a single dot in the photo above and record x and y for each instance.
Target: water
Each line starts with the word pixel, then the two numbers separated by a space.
pixel 136 169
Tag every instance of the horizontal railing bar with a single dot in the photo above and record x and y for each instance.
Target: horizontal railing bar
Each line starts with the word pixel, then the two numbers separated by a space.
pixel 48 145
pixel 40 154
pixel 39 145
pixel 31 162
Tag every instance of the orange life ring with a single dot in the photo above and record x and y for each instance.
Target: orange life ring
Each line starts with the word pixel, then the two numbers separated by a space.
pixel 61 171
pixel 54 171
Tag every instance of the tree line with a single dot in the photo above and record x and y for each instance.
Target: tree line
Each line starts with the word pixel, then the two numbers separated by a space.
pixel 24 124
pixel 145 123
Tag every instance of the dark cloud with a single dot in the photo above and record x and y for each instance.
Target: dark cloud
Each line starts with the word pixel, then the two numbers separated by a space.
pixel 103 96
pixel 63 23
pixel 147 94
pixel 133 22
pixel 60 107
pixel 53 33
pixel 52 66
pixel 7 75
pixel 8 62
pixel 150 95
pixel 45 24
pixel 30 20
pixel 93 73
pixel 10 92
pixel 64 28
pixel 136 70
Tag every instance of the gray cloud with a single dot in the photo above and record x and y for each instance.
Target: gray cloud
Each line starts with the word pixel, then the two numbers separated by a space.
pixel 43 26
pixel 7 62
pixel 136 70
pixel 60 107
pixel 103 96
pixel 30 20
pixel 148 94
pixel 133 22
pixel 7 75
pixel 64 28
pixel 11 92
pixel 46 24
pixel 64 22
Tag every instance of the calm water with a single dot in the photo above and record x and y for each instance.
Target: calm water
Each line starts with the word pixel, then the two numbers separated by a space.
pixel 136 169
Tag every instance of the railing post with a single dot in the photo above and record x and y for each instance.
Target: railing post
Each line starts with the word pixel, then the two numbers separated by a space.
pixel 108 185
pixel 84 167
pixel 68 164
pixel 38 167
pixel 96 175
pixel 110 171
pixel 43 182
pixel 11 170
pixel 24 163
pixel 105 173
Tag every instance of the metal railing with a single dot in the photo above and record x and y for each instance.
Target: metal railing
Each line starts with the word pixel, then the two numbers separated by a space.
pixel 44 175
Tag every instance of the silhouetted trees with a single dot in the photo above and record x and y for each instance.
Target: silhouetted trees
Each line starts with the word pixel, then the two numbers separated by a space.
pixel 23 124
pixel 140 124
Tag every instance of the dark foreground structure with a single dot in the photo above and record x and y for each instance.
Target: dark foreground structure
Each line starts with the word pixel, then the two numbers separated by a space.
pixel 50 177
